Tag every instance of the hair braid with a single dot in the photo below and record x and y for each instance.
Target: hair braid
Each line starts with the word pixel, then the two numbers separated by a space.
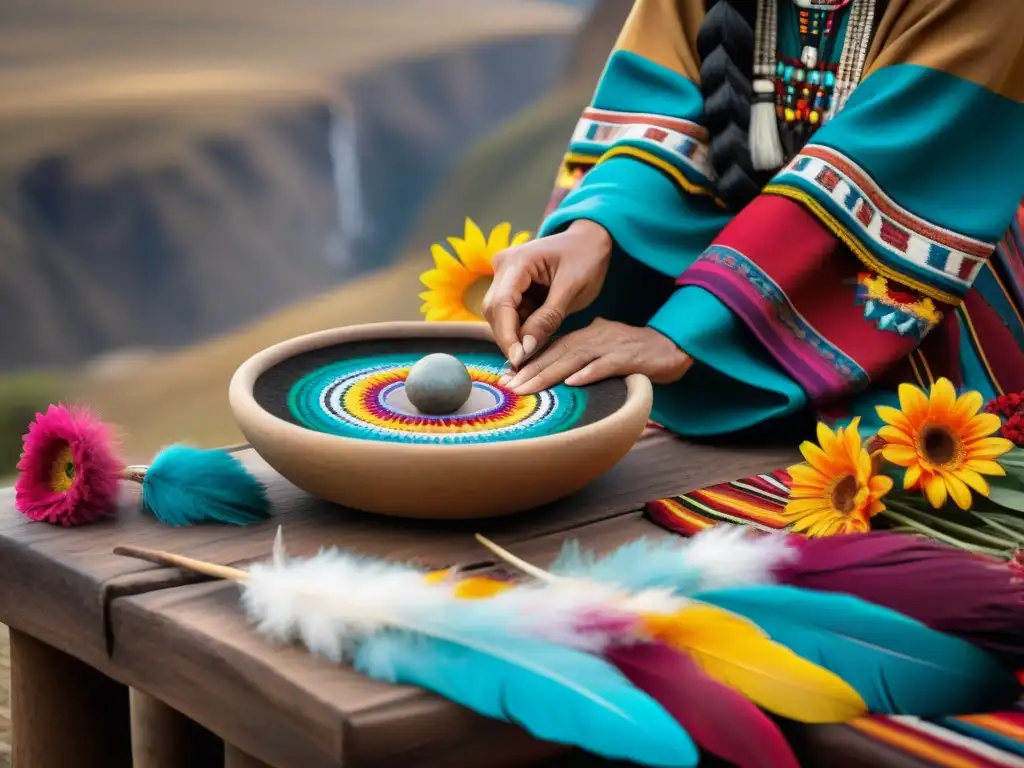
pixel 725 43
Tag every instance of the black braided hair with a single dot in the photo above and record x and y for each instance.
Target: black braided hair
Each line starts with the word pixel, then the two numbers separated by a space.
pixel 725 44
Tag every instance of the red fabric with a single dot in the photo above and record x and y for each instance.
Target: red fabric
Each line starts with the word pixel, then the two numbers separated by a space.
pixel 818 276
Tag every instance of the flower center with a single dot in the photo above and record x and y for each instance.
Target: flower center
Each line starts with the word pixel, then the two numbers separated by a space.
pixel 843 497
pixel 473 298
pixel 939 445
pixel 62 471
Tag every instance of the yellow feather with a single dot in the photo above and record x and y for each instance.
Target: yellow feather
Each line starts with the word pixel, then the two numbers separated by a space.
pixel 739 654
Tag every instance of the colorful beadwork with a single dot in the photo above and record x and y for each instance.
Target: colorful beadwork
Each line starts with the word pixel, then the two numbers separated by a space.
pixel 363 398
pixel 900 312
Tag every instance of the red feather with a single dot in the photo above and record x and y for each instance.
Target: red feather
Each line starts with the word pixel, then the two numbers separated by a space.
pixel 948 589
pixel 720 720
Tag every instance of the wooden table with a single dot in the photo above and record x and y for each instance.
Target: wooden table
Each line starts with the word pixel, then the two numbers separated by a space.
pixel 87 626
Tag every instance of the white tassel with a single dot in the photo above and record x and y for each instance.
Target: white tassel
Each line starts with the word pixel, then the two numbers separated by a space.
pixel 765 145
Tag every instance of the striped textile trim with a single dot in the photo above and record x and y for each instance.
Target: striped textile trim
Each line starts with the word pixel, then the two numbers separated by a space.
pixel 974 741
pixel 941 263
pixel 682 142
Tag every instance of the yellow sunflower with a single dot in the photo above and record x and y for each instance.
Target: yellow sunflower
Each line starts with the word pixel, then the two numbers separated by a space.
pixel 837 490
pixel 457 285
pixel 943 441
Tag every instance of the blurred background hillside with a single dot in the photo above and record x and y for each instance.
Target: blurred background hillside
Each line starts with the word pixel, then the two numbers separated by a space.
pixel 183 183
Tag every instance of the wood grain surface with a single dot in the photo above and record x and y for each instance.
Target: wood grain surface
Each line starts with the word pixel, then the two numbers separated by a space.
pixel 182 640
pixel 304 711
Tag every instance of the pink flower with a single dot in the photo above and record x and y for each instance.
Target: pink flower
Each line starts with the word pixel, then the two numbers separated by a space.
pixel 69 471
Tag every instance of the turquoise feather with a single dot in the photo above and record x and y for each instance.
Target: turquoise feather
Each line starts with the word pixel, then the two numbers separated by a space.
pixel 896 664
pixel 640 730
pixel 186 485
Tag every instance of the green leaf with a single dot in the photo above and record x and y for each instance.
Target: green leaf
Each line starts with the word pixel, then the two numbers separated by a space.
pixel 1013 459
pixel 1008 497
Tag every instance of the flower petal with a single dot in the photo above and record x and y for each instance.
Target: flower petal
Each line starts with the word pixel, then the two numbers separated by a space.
pixel 935 490
pixel 982 425
pixel 893 416
pixel 913 403
pixel 803 507
pixel 879 485
pixel 985 467
pixel 900 455
pixel 912 479
pixel 895 436
pixel 445 261
pixel 497 241
pixel 974 481
pixel 804 474
pixel 988 447
pixel 943 398
pixel 958 490
pixel 827 439
pixel 520 238
pixel 967 405
pixel 818 459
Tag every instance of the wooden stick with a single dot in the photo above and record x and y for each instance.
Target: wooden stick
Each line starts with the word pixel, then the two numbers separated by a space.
pixel 528 568
pixel 180 561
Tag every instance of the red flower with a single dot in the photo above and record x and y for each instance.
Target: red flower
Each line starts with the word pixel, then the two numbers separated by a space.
pixel 1006 406
pixel 69 471
pixel 1010 408
pixel 1013 429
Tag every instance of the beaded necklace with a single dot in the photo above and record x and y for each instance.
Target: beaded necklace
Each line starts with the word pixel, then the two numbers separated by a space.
pixel 795 97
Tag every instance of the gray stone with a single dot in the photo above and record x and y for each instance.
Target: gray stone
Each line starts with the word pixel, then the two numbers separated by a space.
pixel 438 384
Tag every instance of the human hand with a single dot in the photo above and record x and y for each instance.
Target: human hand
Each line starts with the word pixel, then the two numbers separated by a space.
pixel 538 284
pixel 601 350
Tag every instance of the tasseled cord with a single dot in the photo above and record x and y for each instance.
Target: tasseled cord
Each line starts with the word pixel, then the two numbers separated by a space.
pixel 766 152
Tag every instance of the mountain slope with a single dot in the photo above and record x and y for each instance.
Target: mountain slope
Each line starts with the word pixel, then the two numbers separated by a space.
pixel 161 208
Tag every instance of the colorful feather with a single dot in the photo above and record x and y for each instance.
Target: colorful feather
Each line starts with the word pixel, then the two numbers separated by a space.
pixel 947 588
pixel 719 719
pixel 897 664
pixel 738 654
pixel 401 624
pixel 721 556
pixel 618 721
pixel 186 485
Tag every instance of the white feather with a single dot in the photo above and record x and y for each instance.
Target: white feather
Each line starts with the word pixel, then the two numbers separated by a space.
pixel 728 556
pixel 334 602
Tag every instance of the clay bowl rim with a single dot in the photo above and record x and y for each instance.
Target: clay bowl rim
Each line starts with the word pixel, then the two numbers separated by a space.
pixel 247 411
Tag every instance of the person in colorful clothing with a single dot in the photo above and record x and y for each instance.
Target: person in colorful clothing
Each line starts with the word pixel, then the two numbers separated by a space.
pixel 784 207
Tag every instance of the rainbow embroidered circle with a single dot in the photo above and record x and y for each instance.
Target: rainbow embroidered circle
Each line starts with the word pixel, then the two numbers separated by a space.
pixel 364 398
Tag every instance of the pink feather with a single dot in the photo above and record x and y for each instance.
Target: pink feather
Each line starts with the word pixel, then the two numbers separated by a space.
pixel 719 719
pixel 948 589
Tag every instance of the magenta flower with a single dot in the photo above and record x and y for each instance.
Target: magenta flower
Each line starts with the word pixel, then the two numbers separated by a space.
pixel 69 470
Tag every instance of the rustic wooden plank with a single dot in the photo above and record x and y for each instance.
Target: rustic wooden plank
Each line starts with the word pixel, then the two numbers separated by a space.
pixel 63 712
pixel 162 737
pixel 55 583
pixel 301 710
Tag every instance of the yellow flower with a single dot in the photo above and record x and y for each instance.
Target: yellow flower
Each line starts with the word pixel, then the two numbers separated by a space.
pixel 457 285
pixel 837 490
pixel 943 441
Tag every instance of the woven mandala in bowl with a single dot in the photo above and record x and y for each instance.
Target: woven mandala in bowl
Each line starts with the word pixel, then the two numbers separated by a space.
pixel 328 411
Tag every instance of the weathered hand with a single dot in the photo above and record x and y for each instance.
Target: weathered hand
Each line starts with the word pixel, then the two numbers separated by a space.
pixel 601 350
pixel 537 284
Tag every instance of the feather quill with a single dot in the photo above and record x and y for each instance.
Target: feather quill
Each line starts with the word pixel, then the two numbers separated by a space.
pixel 897 664
pixel 719 719
pixel 186 485
pixel 947 588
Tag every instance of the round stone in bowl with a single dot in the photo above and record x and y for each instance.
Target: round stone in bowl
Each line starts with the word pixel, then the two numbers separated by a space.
pixel 331 413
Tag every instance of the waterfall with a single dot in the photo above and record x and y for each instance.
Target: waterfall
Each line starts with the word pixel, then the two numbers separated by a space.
pixel 353 220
